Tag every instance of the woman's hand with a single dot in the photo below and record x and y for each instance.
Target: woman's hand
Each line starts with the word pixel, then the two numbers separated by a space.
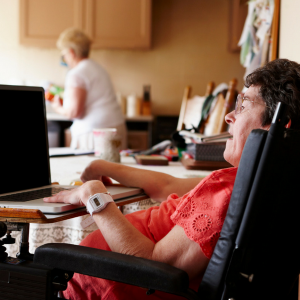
pixel 77 104
pixel 95 171
pixel 78 196
pixel 56 102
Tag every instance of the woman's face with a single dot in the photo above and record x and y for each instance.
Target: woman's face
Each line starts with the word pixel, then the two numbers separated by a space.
pixel 68 56
pixel 243 123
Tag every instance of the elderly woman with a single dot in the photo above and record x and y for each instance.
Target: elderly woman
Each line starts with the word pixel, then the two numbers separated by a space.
pixel 184 229
pixel 89 98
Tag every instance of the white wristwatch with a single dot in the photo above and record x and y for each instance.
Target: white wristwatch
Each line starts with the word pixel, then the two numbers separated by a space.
pixel 98 202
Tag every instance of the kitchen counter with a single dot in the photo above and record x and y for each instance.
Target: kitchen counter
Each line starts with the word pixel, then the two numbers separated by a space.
pixel 52 116
pixel 139 128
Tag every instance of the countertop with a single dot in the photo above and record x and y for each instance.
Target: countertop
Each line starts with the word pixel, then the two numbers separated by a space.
pixel 53 116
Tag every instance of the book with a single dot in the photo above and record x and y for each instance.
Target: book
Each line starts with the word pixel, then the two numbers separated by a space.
pixel 191 164
pixel 155 160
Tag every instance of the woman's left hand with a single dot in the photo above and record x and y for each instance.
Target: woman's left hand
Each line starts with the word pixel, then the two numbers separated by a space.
pixel 56 102
pixel 78 196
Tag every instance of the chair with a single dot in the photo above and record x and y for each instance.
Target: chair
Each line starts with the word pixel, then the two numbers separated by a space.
pixel 207 114
pixel 208 119
pixel 215 120
pixel 188 106
pixel 257 255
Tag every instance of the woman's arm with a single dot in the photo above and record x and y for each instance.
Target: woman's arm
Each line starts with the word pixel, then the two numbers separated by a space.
pixel 156 185
pixel 77 104
pixel 175 248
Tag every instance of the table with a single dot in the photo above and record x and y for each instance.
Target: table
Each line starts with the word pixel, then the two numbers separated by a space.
pixel 19 220
pixel 64 170
pixel 67 169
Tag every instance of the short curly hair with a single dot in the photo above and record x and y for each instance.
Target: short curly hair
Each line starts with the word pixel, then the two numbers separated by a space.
pixel 75 39
pixel 278 81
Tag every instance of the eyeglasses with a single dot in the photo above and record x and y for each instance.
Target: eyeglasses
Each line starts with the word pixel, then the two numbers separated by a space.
pixel 63 61
pixel 64 52
pixel 239 103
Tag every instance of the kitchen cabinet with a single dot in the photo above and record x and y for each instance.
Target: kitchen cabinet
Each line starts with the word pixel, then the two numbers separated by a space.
pixel 139 132
pixel 112 24
pixel 118 23
pixel 41 21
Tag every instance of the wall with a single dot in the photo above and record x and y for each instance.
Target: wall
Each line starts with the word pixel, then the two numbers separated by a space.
pixel 289 36
pixel 189 48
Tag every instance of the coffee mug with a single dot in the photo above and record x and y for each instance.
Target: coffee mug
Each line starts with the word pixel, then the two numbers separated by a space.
pixel 107 144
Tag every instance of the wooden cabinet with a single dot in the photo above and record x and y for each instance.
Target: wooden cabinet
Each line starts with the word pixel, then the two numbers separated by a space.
pixel 112 24
pixel 41 21
pixel 139 132
pixel 119 23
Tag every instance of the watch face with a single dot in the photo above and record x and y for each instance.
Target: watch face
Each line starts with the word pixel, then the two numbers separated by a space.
pixel 96 201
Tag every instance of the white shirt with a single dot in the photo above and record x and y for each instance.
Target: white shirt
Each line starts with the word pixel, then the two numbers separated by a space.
pixel 101 107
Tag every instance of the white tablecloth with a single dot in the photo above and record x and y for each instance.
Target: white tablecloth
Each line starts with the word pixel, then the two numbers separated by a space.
pixel 64 170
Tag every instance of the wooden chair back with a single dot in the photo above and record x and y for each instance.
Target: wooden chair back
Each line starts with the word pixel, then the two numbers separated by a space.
pixel 215 123
pixel 187 106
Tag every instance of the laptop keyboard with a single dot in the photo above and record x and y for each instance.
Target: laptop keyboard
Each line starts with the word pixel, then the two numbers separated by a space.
pixel 32 195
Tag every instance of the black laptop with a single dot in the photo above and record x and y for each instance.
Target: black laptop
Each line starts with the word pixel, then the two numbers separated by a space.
pixel 24 153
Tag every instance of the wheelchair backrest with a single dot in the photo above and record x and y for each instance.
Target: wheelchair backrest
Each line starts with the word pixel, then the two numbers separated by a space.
pixel 259 240
pixel 212 284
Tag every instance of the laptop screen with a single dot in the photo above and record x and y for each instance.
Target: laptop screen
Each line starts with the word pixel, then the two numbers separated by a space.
pixel 24 160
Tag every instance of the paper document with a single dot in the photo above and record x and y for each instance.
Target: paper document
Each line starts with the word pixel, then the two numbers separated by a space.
pixel 67 151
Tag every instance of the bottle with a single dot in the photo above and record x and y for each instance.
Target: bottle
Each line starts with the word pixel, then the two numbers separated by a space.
pixel 122 102
pixel 146 104
pixel 131 102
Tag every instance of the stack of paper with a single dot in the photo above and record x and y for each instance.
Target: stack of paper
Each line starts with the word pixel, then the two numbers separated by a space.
pixel 200 138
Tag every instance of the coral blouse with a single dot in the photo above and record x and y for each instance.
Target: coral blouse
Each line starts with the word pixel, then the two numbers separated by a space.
pixel 201 213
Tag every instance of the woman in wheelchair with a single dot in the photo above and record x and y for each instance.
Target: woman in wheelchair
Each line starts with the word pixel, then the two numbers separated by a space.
pixel 184 229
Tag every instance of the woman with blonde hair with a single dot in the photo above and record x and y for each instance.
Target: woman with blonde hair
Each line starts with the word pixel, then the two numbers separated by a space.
pixel 89 98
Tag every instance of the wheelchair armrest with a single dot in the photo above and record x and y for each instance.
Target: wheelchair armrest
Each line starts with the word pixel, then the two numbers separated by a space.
pixel 113 266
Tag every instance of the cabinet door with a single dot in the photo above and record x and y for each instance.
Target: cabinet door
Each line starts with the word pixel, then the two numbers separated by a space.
pixel 119 24
pixel 41 21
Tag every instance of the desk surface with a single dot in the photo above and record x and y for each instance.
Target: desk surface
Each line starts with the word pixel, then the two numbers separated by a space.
pixel 38 217
pixel 64 170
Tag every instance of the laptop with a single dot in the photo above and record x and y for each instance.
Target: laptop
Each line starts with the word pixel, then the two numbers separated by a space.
pixel 24 154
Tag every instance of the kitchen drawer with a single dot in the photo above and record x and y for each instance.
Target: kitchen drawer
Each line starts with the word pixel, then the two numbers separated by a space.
pixel 138 139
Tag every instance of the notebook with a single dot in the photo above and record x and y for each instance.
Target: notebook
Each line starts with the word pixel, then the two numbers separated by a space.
pixel 24 153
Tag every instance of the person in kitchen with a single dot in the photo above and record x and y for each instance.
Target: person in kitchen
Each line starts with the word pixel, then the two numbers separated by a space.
pixel 89 97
